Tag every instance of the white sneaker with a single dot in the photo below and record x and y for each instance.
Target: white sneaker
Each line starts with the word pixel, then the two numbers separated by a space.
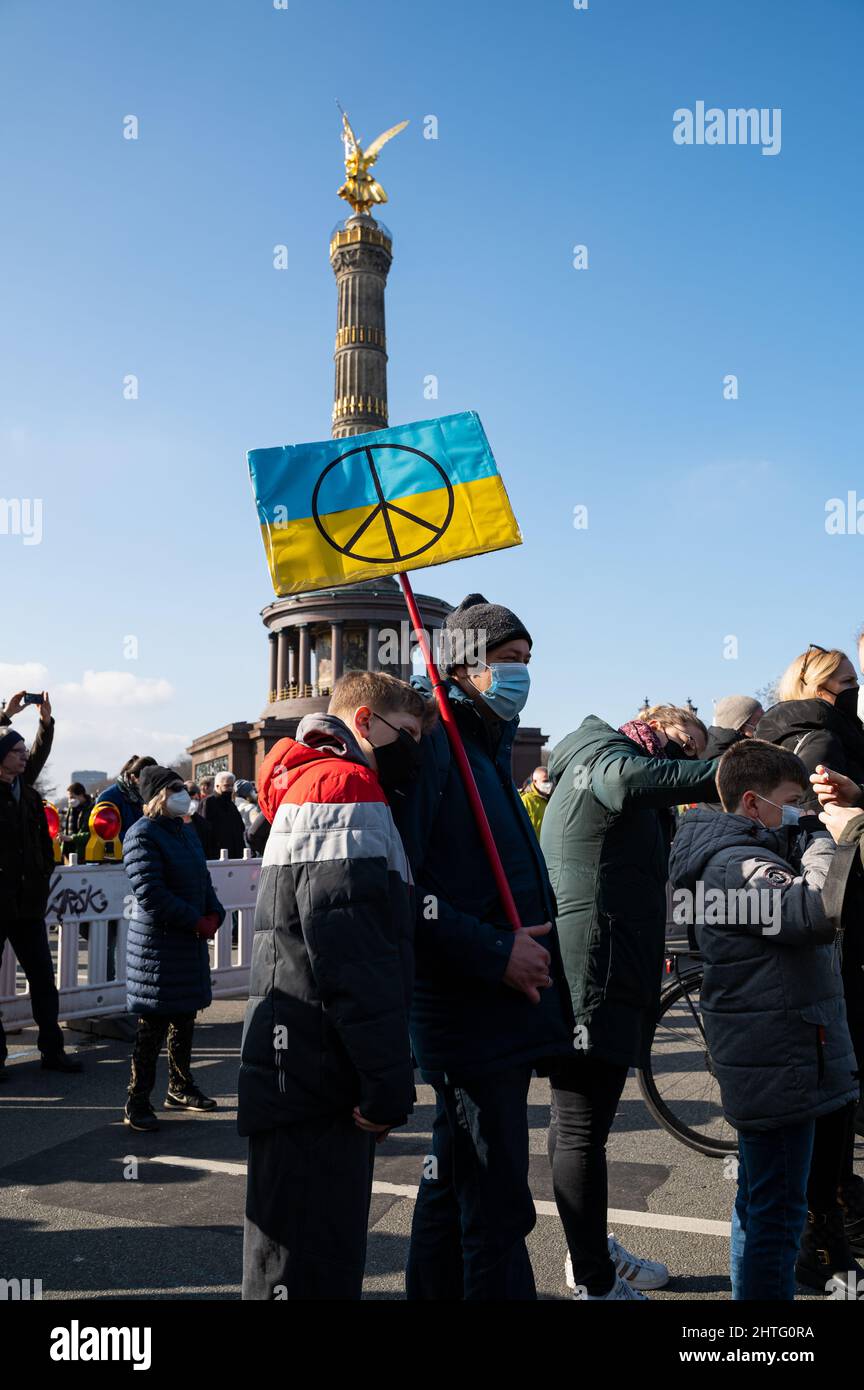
pixel 642 1274
pixel 619 1290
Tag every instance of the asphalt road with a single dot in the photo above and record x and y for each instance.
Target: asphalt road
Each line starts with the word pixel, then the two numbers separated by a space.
pixel 98 1211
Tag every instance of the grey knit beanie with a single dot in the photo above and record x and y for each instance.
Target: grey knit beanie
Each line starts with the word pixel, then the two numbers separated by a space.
pixel 476 626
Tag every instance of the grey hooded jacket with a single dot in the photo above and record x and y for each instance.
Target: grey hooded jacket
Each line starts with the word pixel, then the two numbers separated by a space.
pixel 772 995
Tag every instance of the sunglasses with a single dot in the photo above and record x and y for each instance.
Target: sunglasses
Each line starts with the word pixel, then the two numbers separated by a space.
pixel 814 647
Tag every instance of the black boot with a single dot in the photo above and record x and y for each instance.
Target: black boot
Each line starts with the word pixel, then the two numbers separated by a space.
pixel 850 1194
pixel 58 1061
pixel 824 1259
pixel 4 1072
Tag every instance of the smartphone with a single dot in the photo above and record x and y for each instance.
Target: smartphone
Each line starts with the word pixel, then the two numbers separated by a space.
pixel 31 699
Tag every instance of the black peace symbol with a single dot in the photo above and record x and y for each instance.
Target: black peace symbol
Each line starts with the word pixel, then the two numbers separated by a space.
pixel 384 508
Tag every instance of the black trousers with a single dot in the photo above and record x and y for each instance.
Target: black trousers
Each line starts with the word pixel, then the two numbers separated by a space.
pixel 833 1157
pixel 149 1041
pixel 308 1190
pixel 29 940
pixel 474 1207
pixel 585 1096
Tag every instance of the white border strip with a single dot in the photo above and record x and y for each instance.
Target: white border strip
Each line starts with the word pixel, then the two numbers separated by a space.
pixel 651 1220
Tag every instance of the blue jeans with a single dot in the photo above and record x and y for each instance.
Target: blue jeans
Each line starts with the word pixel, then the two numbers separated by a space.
pixel 474 1209
pixel 770 1210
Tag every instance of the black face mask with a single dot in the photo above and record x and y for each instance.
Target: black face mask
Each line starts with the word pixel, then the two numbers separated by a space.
pixel 847 703
pixel 399 762
pixel 675 750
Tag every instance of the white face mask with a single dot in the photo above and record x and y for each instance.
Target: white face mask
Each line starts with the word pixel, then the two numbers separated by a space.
pixel 178 803
pixel 76 800
pixel 194 804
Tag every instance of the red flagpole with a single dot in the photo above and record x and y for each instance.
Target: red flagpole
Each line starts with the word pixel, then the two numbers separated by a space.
pixel 456 744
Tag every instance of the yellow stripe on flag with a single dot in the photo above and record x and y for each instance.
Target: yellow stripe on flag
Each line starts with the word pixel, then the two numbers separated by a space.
pixel 301 558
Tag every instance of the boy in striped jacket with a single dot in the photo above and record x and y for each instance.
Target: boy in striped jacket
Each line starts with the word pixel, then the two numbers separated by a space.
pixel 326 1068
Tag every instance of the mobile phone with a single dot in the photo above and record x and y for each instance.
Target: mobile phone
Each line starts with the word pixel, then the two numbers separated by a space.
pixel 31 699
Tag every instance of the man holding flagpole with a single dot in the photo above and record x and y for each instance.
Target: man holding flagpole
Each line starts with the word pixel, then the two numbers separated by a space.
pixel 490 1004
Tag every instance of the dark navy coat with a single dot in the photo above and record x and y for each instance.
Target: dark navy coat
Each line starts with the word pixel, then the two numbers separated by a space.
pixel 167 963
pixel 464 1020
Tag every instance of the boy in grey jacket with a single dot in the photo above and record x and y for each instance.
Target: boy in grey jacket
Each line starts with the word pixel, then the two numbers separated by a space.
pixel 765 898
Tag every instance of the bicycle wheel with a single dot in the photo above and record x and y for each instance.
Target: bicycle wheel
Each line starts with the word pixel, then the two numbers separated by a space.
pixel 678 1085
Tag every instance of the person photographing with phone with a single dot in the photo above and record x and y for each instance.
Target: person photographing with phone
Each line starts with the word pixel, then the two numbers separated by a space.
pixel 26 866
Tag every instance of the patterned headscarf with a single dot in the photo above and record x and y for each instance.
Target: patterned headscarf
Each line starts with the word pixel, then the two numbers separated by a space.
pixel 644 735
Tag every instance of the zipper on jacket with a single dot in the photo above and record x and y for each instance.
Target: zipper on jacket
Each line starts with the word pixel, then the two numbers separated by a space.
pixel 820 1052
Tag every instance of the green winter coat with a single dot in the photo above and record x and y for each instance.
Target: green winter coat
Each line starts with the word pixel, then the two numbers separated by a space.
pixel 606 836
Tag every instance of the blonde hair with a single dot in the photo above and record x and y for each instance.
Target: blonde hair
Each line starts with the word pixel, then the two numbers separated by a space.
pixel 156 806
pixel 672 714
pixel 809 672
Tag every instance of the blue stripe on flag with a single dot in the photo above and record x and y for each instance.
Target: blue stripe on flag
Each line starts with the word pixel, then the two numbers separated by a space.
pixel 286 477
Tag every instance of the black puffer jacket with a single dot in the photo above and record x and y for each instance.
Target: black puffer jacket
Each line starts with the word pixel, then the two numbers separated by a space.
pixel 26 852
pixel 772 996
pixel 818 733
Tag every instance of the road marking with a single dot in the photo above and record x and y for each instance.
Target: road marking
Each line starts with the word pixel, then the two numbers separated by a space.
pixel 650 1220
pixel 208 1165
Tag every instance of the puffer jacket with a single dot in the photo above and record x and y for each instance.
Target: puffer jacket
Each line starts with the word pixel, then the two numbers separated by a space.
pixel 606 835
pixel 772 993
pixel 819 733
pixel 465 1021
pixel 816 732
pixel 326 1026
pixel 167 962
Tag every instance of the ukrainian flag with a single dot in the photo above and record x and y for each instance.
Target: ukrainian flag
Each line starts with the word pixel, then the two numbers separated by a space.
pixel 374 504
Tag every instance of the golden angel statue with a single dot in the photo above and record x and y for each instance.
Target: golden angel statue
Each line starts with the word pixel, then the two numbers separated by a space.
pixel 359 188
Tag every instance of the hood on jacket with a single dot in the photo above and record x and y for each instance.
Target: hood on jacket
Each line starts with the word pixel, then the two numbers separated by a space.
pixel 592 732
pixel 319 736
pixel 702 834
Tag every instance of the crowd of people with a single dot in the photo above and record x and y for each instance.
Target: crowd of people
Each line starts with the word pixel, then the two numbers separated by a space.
pixel 382 946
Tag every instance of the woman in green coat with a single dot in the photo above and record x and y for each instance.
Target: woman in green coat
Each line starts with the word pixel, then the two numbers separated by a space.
pixel 606 836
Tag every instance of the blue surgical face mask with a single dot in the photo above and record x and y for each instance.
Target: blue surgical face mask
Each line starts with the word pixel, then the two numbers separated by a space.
pixel 508 690
pixel 789 815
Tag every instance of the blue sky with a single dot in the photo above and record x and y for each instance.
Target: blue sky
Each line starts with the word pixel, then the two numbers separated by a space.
pixel 600 387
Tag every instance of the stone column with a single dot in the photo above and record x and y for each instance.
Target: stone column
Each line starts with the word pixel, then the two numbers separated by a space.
pixel 273 676
pixel 372 647
pixel 282 660
pixel 360 255
pixel 304 672
pixel 336 648
pixel 292 657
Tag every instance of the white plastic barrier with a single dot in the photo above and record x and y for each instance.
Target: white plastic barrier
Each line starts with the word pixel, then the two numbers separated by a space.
pixel 95 895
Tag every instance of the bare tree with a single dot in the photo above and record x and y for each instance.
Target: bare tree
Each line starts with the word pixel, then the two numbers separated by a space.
pixel 767 694
pixel 44 786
